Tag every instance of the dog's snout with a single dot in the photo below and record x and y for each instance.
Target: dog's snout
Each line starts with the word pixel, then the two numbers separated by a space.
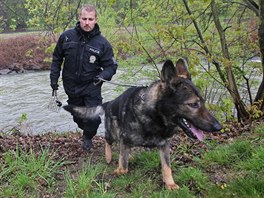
pixel 217 126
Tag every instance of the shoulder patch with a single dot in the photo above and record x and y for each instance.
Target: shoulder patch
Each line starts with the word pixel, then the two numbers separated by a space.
pixel 96 51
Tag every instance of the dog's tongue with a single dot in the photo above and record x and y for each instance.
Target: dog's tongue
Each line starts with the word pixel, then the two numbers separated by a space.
pixel 198 133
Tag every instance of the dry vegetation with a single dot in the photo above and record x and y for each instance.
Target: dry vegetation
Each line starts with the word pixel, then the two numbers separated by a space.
pixel 25 52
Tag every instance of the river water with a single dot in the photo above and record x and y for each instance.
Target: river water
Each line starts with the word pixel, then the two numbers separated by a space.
pixel 29 94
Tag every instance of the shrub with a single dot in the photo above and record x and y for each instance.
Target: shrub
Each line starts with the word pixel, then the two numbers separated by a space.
pixel 25 51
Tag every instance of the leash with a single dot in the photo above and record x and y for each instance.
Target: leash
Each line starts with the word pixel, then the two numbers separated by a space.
pixel 116 83
pixel 55 105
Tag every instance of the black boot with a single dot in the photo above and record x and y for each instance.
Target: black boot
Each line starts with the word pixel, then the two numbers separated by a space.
pixel 87 144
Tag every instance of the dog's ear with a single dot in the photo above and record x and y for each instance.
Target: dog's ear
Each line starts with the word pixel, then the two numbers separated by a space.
pixel 182 69
pixel 168 71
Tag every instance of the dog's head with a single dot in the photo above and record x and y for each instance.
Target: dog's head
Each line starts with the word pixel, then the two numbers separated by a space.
pixel 181 102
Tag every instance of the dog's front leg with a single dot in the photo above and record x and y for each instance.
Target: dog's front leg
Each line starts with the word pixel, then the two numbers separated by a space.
pixel 123 159
pixel 108 152
pixel 165 167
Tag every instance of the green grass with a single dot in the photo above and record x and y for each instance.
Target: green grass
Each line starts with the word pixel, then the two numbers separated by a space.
pixel 243 163
pixel 260 129
pixel 233 169
pixel 250 185
pixel 226 155
pixel 87 183
pixel 16 34
pixel 193 178
pixel 25 171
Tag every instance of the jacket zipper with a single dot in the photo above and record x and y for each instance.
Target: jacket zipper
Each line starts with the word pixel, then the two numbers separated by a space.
pixel 81 57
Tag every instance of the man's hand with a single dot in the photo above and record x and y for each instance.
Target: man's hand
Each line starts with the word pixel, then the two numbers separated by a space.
pixel 97 80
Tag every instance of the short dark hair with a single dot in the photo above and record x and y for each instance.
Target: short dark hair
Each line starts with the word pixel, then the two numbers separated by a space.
pixel 88 8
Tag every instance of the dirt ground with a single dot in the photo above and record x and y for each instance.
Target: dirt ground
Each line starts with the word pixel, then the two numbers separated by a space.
pixel 68 145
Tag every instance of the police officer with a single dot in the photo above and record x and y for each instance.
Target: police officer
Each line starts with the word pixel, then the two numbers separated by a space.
pixel 86 56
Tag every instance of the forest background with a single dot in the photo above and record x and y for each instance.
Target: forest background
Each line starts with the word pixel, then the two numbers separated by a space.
pixel 220 40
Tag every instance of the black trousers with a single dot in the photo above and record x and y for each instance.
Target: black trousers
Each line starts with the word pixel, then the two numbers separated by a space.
pixel 89 126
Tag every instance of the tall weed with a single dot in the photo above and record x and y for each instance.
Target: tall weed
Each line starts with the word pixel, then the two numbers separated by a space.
pixel 27 171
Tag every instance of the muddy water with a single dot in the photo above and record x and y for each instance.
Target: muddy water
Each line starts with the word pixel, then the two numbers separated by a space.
pixel 28 94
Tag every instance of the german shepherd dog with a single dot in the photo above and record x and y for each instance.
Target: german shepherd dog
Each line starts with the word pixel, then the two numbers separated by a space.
pixel 149 116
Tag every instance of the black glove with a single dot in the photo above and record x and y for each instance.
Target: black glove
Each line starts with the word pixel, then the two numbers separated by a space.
pixel 97 81
pixel 54 86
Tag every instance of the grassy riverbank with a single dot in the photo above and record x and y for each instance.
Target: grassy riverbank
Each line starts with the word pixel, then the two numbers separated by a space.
pixel 229 164
pixel 25 51
pixel 18 34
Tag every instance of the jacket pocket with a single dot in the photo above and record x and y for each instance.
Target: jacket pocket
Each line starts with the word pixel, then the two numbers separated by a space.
pixel 70 49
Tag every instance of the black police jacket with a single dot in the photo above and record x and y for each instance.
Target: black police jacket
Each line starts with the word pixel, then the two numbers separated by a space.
pixel 84 55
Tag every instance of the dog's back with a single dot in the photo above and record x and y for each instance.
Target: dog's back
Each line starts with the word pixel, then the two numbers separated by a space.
pixel 123 114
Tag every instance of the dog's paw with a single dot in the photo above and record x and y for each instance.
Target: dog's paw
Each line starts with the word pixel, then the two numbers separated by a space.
pixel 172 186
pixel 120 171
pixel 108 159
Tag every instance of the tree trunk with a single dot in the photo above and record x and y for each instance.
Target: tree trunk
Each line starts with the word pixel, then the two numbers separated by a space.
pixel 230 82
pixel 242 113
pixel 260 93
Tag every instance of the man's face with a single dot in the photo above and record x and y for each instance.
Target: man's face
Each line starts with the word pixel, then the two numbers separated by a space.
pixel 87 20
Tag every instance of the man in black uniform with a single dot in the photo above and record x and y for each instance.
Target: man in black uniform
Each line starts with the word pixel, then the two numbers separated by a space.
pixel 86 56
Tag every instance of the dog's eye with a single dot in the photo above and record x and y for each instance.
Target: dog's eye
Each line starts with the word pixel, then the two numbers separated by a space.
pixel 194 105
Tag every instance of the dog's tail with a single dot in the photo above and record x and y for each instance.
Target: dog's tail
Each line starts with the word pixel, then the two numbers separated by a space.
pixel 85 112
